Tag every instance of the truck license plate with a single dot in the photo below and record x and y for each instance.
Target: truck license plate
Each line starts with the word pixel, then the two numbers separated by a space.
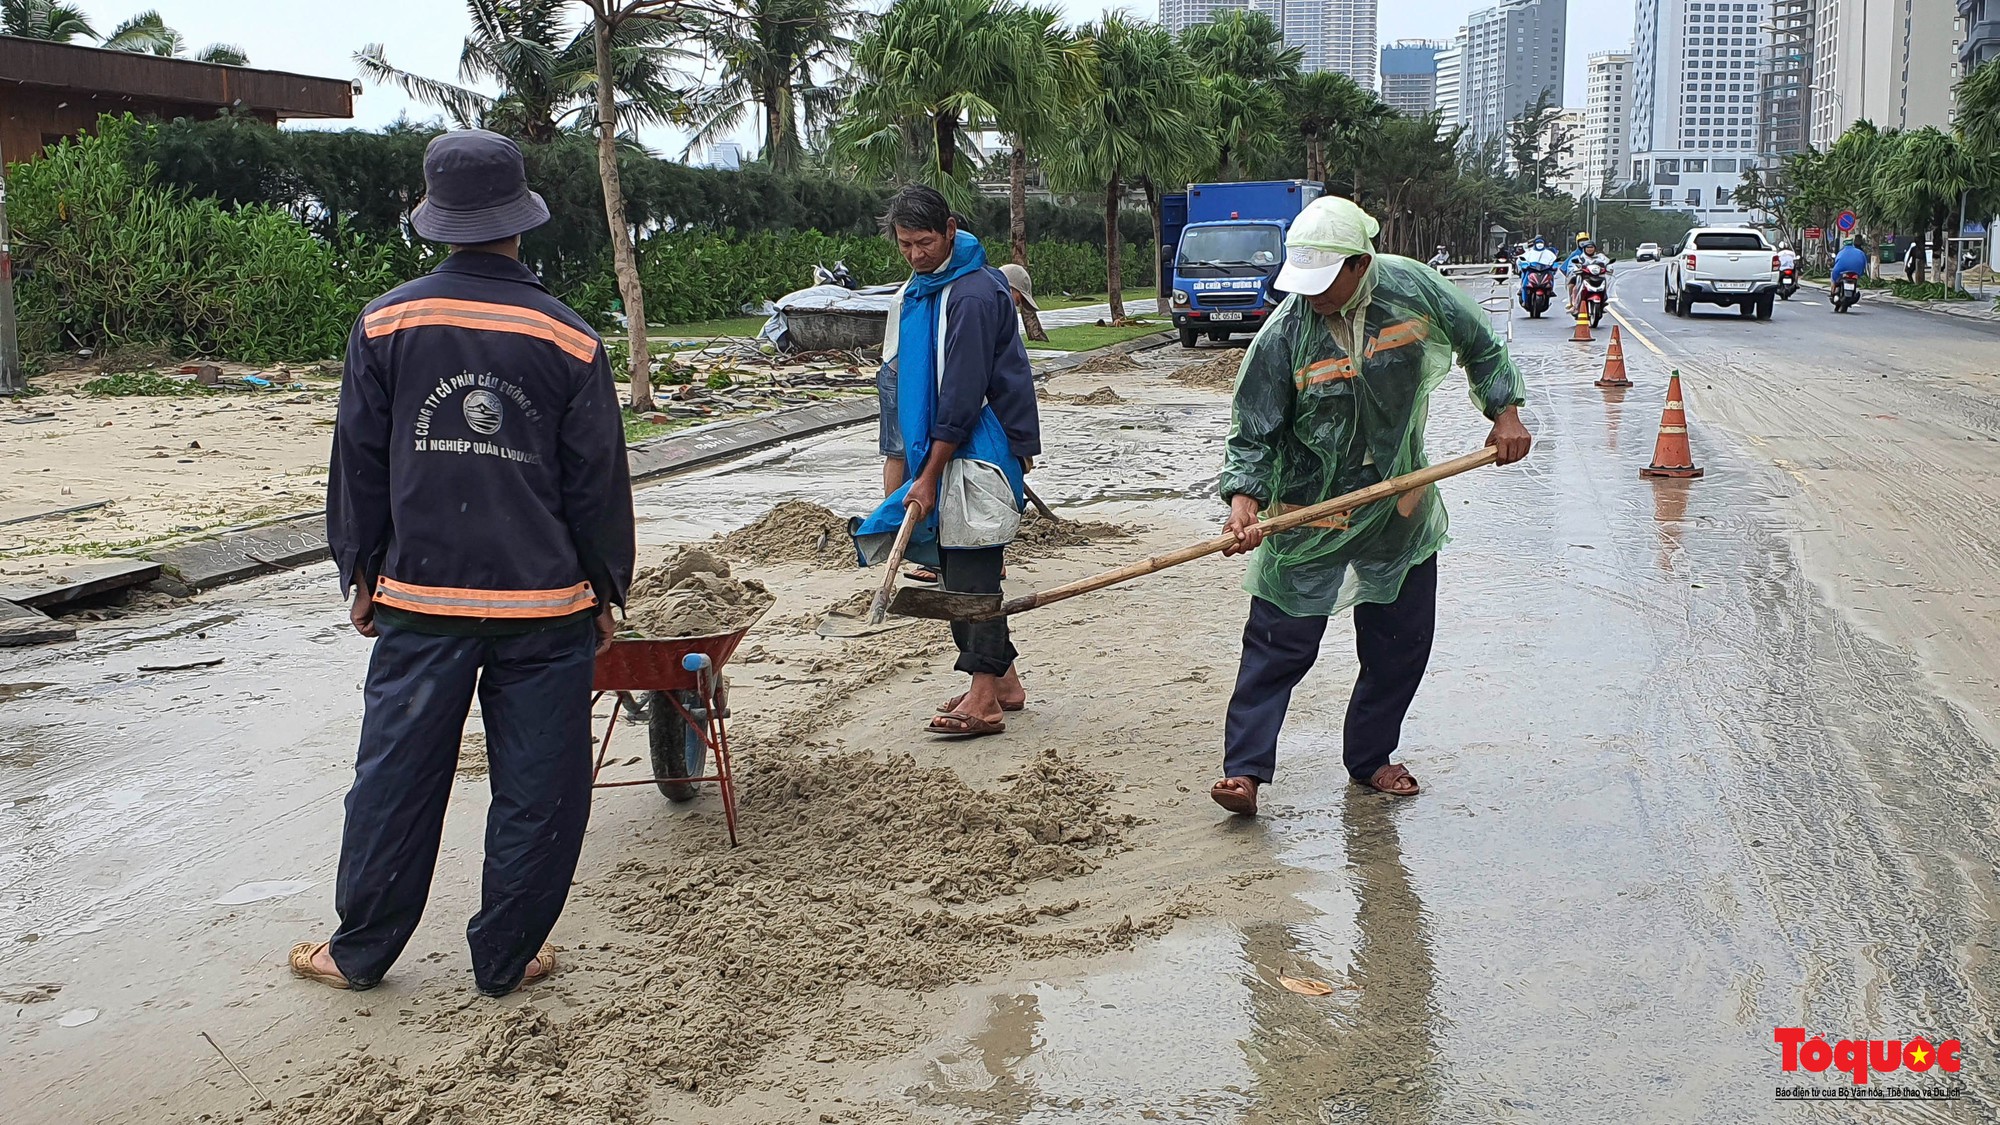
pixel 1229 316
pixel 1732 286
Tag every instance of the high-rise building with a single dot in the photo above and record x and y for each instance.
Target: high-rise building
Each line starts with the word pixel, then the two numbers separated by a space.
pixel 1979 30
pixel 1785 82
pixel 1409 76
pixel 1695 66
pixel 1885 61
pixel 1570 178
pixel 1330 34
pixel 1450 102
pixel 1512 54
pixel 1607 118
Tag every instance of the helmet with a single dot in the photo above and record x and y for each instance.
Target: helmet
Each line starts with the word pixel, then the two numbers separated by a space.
pixel 1784 244
pixel 1583 236
pixel 1538 241
pixel 1590 244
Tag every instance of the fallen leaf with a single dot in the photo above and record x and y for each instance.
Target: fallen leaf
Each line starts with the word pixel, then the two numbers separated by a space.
pixel 1307 986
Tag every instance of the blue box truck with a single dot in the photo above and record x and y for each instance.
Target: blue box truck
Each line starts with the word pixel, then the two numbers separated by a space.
pixel 1229 254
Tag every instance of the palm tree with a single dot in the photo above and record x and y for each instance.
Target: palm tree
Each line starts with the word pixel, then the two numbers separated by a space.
pixel 223 54
pixel 145 34
pixel 1144 121
pixel 773 56
pixel 1245 44
pixel 546 71
pixel 1329 107
pixel 1242 123
pixel 1850 166
pixel 929 72
pixel 1922 180
pixel 47 21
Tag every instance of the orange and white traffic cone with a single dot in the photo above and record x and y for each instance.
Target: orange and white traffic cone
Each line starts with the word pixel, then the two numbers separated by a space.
pixel 1582 333
pixel 1614 363
pixel 1671 456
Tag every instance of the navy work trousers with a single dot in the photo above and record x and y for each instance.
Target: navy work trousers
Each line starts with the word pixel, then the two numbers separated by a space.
pixel 1393 642
pixel 984 647
pixel 534 695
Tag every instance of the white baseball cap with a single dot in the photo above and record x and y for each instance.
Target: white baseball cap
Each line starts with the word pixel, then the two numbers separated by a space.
pixel 1329 231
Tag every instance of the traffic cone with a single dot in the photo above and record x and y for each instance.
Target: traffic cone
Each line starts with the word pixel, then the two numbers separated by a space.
pixel 1582 333
pixel 1671 456
pixel 1614 363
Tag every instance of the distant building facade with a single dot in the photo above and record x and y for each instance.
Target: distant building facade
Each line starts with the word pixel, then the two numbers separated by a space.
pixel 1509 56
pixel 1695 67
pixel 1450 90
pixel 1607 118
pixel 1978 32
pixel 1329 34
pixel 1409 76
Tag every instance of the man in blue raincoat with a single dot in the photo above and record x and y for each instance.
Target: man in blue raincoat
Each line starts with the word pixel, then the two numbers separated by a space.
pixel 959 433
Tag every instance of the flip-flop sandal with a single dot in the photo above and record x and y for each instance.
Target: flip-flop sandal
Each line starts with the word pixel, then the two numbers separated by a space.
pixel 1385 779
pixel 546 958
pixel 922 575
pixel 951 706
pixel 1233 801
pixel 969 726
pixel 302 966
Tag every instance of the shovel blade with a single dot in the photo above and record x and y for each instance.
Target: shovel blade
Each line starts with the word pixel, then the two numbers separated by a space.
pixel 942 605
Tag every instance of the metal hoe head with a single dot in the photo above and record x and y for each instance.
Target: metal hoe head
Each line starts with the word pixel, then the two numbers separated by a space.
pixel 942 605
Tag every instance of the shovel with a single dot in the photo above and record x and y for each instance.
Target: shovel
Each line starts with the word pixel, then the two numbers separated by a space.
pixel 878 607
pixel 942 604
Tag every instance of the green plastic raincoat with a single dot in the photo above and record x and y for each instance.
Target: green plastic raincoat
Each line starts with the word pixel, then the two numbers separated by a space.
pixel 1311 422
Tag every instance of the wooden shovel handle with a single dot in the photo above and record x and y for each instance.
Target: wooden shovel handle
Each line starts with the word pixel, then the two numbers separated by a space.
pixel 878 607
pixel 1408 482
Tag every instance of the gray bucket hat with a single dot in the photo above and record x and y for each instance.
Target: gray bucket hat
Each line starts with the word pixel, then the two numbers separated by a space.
pixel 476 190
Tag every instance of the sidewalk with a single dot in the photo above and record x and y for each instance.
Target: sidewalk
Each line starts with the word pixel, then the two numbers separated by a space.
pixel 1976 309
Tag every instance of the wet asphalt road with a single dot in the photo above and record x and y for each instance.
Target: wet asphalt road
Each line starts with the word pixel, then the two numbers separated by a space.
pixel 1679 795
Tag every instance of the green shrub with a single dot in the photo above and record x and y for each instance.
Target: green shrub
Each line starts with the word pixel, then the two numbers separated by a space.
pixel 111 260
pixel 146 384
pixel 1926 291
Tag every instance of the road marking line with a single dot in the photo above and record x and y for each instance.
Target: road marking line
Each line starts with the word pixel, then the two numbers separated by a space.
pixel 1638 335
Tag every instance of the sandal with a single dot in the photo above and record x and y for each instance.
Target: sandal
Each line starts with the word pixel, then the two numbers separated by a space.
pixel 921 574
pixel 1232 798
pixel 303 967
pixel 546 958
pixel 968 726
pixel 1394 780
pixel 951 706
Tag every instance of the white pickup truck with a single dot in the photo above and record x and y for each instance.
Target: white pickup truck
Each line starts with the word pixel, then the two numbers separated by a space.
pixel 1723 266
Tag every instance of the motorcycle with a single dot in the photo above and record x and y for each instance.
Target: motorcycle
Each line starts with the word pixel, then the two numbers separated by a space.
pixel 1594 290
pixel 1846 291
pixel 1540 292
pixel 1788 282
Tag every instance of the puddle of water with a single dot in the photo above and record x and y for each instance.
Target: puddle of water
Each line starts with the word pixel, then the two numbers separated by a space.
pixel 76 1017
pixel 244 893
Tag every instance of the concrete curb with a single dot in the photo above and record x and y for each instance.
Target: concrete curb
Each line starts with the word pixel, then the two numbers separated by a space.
pixel 1974 310
pixel 290 542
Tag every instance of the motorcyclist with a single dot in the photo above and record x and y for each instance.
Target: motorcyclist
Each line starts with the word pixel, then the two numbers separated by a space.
pixel 1537 256
pixel 1788 258
pixel 1851 259
pixel 1440 258
pixel 1586 254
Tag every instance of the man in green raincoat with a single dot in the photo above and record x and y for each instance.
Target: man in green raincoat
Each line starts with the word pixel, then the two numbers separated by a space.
pixel 1333 396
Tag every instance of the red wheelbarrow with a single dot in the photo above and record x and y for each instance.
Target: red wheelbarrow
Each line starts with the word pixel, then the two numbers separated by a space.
pixel 676 685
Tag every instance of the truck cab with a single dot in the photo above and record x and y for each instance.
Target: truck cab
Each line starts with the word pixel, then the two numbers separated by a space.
pixel 1229 254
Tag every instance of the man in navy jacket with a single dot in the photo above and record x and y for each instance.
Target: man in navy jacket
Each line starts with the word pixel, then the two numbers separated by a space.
pixel 479 505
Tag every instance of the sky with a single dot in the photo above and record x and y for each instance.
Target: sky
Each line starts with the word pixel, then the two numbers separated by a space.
pixel 320 38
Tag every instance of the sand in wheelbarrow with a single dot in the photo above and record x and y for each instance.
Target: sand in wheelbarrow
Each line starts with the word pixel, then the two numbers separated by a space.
pixel 793 532
pixel 691 594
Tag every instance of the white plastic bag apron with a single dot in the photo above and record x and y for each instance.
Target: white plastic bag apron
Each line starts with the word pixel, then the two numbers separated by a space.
pixel 976 506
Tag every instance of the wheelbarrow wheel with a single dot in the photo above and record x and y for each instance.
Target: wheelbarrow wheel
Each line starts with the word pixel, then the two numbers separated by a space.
pixel 674 747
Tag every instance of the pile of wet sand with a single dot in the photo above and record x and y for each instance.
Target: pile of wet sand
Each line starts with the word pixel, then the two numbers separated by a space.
pixel 1216 373
pixel 856 871
pixel 1102 396
pixel 793 532
pixel 690 594
pixel 1116 363
pixel 1039 537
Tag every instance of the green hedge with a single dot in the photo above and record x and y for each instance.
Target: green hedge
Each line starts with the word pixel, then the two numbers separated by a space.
pixel 693 276
pixel 111 260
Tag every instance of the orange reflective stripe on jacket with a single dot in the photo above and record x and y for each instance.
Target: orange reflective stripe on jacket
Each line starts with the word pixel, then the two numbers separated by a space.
pixel 447 601
pixel 481 316
pixel 1325 371
pixel 1398 335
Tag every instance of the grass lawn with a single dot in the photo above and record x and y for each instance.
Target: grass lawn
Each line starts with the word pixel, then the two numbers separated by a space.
pixel 1134 299
pixel 704 331
pixel 1083 337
